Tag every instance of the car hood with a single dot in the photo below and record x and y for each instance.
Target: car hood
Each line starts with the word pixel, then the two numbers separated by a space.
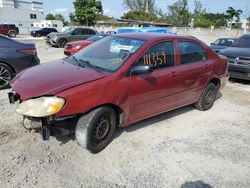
pixel 217 47
pixel 51 78
pixel 81 42
pixel 236 52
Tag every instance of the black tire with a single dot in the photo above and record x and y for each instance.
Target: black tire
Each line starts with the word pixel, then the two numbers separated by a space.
pixel 12 34
pixel 62 43
pixel 38 35
pixel 6 74
pixel 207 97
pixel 94 130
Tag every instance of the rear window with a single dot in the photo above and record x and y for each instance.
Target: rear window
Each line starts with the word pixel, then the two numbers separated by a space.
pixel 242 42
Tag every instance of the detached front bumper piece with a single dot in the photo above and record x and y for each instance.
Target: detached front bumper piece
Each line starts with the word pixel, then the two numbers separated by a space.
pixel 52 126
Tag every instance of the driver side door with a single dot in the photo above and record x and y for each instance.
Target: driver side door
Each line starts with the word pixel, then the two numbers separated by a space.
pixel 155 92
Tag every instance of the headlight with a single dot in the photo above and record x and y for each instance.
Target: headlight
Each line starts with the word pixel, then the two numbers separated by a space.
pixel 77 47
pixel 40 107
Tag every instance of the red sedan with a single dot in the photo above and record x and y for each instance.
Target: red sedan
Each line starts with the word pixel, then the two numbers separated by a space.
pixel 118 81
pixel 73 47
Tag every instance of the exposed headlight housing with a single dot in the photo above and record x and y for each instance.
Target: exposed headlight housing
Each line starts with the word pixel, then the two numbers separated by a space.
pixel 41 107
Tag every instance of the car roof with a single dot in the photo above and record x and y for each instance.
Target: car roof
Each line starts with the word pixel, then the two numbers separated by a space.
pixel 153 36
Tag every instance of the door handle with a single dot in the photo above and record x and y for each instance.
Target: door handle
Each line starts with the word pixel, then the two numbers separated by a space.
pixel 174 74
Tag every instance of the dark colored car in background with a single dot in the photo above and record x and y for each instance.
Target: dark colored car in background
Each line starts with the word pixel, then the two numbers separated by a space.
pixel 9 30
pixel 69 35
pixel 238 55
pixel 118 81
pixel 14 57
pixel 222 43
pixel 73 47
pixel 43 32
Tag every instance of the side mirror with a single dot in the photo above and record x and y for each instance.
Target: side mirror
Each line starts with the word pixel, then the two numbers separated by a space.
pixel 141 69
pixel 211 43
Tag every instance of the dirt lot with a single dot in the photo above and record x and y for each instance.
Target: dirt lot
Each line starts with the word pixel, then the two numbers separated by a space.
pixel 183 148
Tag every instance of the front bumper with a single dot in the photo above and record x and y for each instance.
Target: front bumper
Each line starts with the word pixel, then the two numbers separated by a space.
pixel 239 71
pixel 52 126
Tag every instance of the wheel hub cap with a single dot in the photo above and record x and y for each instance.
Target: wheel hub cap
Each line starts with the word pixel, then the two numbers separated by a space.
pixel 4 77
pixel 102 129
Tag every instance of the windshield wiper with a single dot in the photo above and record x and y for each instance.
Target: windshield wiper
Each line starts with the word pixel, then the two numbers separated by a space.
pixel 96 68
pixel 78 61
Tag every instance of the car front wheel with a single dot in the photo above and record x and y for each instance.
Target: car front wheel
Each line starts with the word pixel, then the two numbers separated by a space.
pixel 6 75
pixel 207 97
pixel 94 130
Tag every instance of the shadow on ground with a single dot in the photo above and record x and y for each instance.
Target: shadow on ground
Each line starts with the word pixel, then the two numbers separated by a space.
pixel 196 184
pixel 239 81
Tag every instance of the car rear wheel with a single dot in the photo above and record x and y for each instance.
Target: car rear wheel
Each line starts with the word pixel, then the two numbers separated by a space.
pixel 62 43
pixel 6 75
pixel 12 34
pixel 207 97
pixel 94 130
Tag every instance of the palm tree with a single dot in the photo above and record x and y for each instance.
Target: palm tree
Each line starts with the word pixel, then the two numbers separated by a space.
pixel 231 13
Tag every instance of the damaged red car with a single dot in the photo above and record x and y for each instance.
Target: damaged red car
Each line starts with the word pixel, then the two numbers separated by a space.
pixel 115 82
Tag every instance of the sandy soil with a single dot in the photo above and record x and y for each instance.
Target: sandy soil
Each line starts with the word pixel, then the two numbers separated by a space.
pixel 183 148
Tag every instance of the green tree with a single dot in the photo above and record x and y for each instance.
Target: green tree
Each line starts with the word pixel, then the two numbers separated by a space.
pixel 140 5
pixel 179 14
pixel 210 19
pixel 59 17
pixel 140 15
pixel 198 9
pixel 231 13
pixel 86 11
pixel 50 17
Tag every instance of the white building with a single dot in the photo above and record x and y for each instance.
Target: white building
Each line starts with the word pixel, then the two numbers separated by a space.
pixel 22 13
pixel 57 24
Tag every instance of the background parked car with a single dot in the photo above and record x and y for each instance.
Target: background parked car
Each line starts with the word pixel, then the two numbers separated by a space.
pixel 222 43
pixel 9 29
pixel 42 32
pixel 238 55
pixel 14 57
pixel 73 47
pixel 69 35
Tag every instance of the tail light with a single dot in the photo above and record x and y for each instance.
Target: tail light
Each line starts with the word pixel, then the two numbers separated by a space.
pixel 28 51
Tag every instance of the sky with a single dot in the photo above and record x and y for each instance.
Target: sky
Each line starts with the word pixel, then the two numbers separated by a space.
pixel 116 9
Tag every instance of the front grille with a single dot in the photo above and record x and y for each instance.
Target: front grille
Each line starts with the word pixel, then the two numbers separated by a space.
pixel 239 60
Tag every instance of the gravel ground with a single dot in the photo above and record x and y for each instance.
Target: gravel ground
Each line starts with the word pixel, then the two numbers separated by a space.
pixel 183 148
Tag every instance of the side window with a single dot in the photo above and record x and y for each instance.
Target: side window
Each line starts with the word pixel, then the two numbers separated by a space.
pixel 77 32
pixel 85 32
pixel 159 56
pixel 191 52
pixel 91 32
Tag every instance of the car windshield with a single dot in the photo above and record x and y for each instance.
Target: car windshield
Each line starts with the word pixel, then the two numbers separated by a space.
pixel 96 37
pixel 108 54
pixel 242 42
pixel 68 30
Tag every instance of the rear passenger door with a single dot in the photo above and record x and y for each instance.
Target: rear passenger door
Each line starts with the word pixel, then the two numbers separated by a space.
pixel 194 71
pixel 155 92
pixel 75 35
pixel 86 33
